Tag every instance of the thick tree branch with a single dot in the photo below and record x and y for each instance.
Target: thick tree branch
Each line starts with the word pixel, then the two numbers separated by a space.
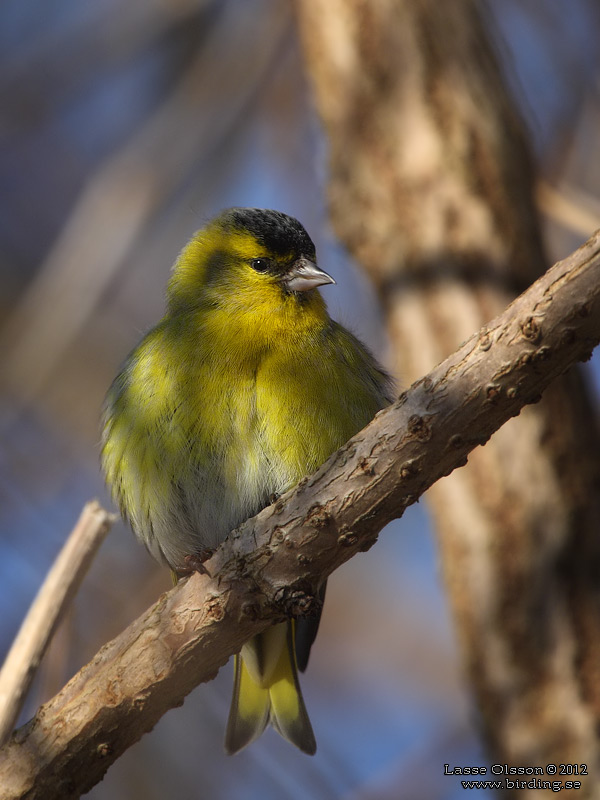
pixel 272 564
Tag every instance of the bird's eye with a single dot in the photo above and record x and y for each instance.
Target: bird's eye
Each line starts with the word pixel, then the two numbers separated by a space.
pixel 260 264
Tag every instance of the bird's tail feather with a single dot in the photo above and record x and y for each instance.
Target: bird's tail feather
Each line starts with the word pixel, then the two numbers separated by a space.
pixel 266 689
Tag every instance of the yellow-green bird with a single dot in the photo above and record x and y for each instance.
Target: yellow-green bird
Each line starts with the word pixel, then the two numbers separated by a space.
pixel 244 387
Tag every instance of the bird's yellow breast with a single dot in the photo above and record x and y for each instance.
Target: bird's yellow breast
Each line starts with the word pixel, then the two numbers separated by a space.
pixel 195 433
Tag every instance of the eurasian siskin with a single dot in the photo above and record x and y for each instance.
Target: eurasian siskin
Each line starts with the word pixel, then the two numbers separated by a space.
pixel 244 387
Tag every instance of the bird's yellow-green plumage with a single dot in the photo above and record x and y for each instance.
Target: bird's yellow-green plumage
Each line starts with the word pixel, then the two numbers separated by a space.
pixel 244 387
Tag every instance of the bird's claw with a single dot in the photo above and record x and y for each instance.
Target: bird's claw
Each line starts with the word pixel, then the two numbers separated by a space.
pixel 195 563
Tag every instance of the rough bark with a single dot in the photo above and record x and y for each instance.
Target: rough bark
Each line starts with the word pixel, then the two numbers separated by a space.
pixel 272 565
pixel 431 189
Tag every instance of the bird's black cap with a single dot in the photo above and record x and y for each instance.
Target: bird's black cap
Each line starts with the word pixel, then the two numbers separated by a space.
pixel 278 232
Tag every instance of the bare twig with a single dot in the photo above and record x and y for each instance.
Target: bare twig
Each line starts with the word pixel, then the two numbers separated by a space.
pixel 56 593
pixel 273 563
pixel 571 208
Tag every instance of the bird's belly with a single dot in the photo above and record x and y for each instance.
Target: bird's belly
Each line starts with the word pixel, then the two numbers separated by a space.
pixel 255 471
pixel 239 477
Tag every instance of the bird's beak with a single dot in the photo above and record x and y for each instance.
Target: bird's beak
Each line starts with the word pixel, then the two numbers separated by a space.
pixel 305 275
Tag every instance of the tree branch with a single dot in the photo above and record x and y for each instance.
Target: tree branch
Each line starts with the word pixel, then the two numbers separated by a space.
pixel 273 563
pixel 55 594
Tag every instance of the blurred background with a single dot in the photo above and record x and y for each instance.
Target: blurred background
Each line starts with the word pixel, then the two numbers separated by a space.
pixel 125 126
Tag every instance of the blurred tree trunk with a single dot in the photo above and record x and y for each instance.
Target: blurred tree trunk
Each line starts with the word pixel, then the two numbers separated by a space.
pixel 431 190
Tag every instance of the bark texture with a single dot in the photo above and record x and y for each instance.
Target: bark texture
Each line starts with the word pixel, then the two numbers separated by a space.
pixel 272 565
pixel 431 190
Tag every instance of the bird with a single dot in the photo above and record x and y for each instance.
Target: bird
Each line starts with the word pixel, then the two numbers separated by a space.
pixel 243 388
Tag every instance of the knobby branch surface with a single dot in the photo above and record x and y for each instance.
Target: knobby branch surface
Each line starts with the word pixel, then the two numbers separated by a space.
pixel 273 563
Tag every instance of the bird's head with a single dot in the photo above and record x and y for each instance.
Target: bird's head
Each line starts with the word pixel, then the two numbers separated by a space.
pixel 248 260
